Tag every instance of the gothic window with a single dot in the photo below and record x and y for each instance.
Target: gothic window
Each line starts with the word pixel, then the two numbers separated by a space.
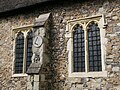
pixel 22 50
pixel 86 50
pixel 93 50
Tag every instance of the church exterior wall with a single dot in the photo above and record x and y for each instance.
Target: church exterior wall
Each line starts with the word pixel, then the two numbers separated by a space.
pixel 56 77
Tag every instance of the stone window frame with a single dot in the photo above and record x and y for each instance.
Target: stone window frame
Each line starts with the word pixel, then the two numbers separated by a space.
pixel 100 19
pixel 24 29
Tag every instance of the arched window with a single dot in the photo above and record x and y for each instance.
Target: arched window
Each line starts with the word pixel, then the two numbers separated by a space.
pixel 78 49
pixel 19 53
pixel 94 47
pixel 85 47
pixel 23 50
pixel 29 49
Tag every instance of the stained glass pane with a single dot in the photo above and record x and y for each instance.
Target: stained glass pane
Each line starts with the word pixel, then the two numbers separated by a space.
pixel 29 49
pixel 94 48
pixel 19 52
pixel 78 50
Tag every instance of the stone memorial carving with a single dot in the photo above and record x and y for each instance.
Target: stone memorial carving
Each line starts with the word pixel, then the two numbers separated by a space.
pixel 37 42
pixel 40 54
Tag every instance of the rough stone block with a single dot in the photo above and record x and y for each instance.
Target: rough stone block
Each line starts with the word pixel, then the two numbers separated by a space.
pixel 116 28
pixel 101 10
pixel 108 86
pixel 41 20
pixel 86 89
pixel 117 87
pixel 75 80
pixel 29 86
pixel 36 78
pixel 42 77
pixel 111 74
pixel 73 88
pixel 118 24
pixel 99 80
pixel 36 86
pixel 116 69
pixel 80 86
pixel 109 67
pixel 45 58
pixel 2 42
pixel 110 57
pixel 115 17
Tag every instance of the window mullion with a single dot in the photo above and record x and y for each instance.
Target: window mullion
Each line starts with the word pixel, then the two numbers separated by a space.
pixel 86 51
pixel 25 52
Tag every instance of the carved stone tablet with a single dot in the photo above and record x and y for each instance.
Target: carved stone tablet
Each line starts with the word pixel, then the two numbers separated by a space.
pixel 37 42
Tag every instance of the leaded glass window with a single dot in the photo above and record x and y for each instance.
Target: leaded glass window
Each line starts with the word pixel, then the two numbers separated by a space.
pixel 79 49
pixel 94 47
pixel 29 49
pixel 93 61
pixel 86 47
pixel 19 53
pixel 23 51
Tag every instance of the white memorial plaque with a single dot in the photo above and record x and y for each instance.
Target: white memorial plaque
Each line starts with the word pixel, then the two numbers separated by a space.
pixel 37 42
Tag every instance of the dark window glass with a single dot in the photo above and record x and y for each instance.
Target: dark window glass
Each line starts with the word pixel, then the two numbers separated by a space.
pixel 78 49
pixel 29 49
pixel 94 47
pixel 19 52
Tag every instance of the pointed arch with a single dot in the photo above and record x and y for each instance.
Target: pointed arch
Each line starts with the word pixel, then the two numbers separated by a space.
pixel 91 22
pixel 76 25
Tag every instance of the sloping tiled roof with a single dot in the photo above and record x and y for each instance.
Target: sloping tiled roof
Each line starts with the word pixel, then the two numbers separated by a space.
pixel 7 5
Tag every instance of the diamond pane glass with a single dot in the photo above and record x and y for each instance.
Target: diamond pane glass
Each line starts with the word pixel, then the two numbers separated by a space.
pixel 29 49
pixel 19 52
pixel 94 47
pixel 78 50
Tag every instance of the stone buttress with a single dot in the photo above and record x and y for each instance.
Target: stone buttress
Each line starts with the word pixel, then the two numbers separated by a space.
pixel 40 58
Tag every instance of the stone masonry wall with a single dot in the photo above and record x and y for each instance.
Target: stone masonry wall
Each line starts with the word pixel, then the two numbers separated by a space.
pixel 58 79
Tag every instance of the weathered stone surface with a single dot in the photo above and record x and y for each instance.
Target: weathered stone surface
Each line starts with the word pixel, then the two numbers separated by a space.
pixel 74 88
pixel 41 20
pixel 36 78
pixel 109 67
pixel 116 69
pixel 42 78
pixel 6 6
pixel 34 68
pixel 58 64
pixel 29 85
pixel 36 86
pixel 2 42
pixel 115 17
pixel 118 24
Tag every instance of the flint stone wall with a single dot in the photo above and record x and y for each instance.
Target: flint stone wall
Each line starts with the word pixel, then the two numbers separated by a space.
pixel 57 70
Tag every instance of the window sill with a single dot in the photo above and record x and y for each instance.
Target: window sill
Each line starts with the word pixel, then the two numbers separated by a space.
pixel 88 74
pixel 19 75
